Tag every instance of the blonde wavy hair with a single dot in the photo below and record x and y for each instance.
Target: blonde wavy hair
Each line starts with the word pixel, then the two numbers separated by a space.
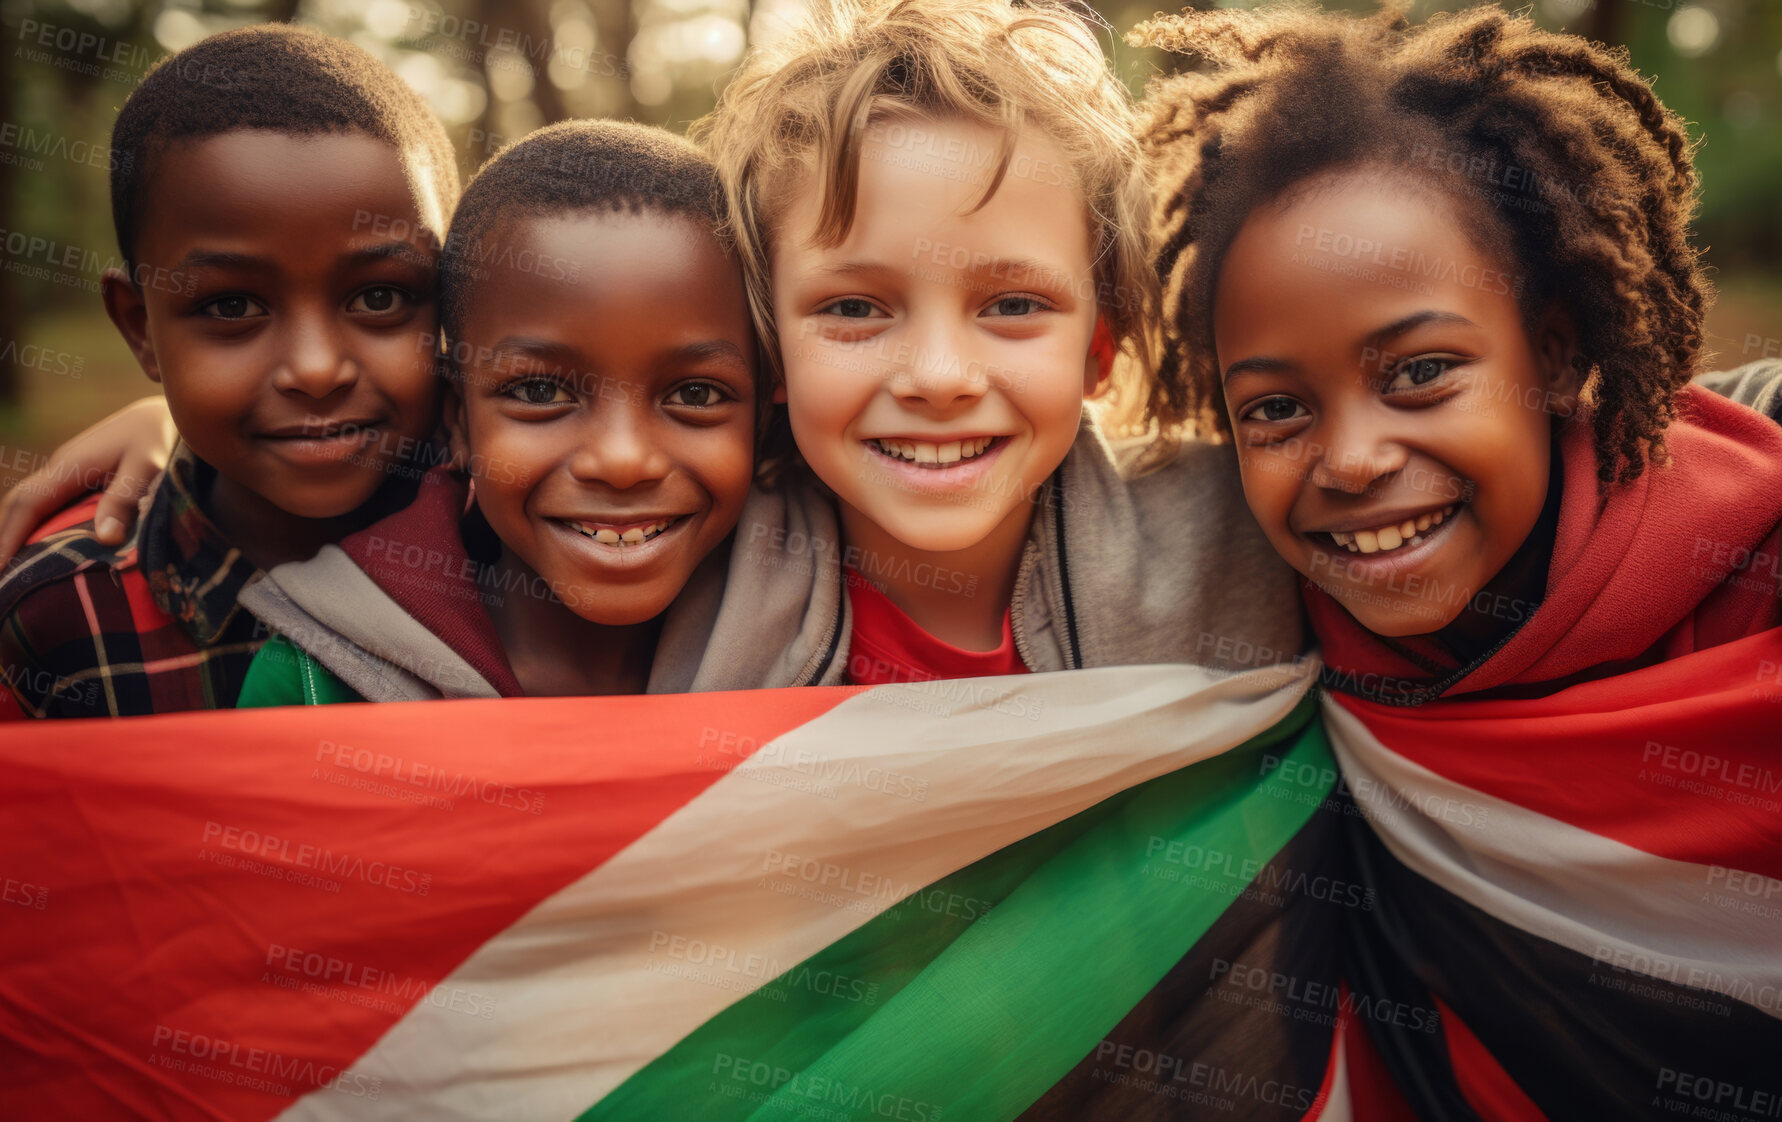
pixel 803 105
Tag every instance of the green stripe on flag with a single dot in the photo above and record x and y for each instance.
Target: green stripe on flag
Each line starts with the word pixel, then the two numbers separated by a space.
pixel 971 998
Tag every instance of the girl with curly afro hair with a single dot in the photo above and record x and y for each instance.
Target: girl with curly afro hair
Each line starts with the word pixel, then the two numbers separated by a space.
pixel 1436 283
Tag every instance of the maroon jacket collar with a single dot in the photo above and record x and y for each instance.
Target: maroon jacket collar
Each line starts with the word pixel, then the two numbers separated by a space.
pixel 418 557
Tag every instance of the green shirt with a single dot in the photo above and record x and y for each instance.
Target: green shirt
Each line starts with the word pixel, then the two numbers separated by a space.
pixel 284 674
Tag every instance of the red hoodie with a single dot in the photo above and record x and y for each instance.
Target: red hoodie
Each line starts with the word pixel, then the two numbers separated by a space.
pixel 1583 874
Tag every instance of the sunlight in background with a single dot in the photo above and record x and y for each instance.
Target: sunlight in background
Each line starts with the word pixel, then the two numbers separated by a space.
pixel 1693 31
pixel 496 69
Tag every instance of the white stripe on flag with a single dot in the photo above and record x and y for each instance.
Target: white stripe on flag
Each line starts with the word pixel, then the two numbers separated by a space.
pixel 1337 1105
pixel 1621 906
pixel 926 779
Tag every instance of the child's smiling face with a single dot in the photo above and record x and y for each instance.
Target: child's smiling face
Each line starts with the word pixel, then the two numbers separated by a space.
pixel 607 404
pixel 935 360
pixel 1392 409
pixel 286 304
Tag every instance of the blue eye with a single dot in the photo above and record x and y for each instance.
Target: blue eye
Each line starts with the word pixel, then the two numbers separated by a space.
pixel 1015 306
pixel 852 307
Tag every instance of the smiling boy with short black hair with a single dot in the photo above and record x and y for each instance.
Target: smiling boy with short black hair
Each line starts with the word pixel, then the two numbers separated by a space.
pixel 289 330
pixel 602 411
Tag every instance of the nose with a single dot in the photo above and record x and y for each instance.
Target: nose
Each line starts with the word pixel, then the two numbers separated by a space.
pixel 938 374
pixel 1356 456
pixel 316 361
pixel 618 448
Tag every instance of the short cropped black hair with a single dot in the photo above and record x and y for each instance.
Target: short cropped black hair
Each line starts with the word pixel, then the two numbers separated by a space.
pixel 574 166
pixel 281 78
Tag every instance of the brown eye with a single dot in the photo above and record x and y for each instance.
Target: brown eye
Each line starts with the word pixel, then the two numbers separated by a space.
pixel 697 395
pixel 1274 409
pixel 379 300
pixel 233 307
pixel 1415 373
pixel 1424 370
pixel 537 391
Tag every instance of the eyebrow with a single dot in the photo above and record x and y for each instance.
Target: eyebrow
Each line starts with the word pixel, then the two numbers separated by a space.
pixel 999 266
pixel 224 259
pixel 852 269
pixel 1416 319
pixel 714 348
pixel 1005 266
pixel 383 250
pixel 1264 364
pixel 532 347
pixel 219 259
pixel 526 346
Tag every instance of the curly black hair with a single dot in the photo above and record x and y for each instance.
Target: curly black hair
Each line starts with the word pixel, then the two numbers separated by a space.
pixel 281 78
pixel 1555 145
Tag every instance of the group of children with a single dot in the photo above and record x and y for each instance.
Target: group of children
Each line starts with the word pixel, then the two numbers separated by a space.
pixel 812 401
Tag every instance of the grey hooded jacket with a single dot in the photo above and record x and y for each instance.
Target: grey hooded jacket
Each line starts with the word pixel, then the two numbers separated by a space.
pixel 1118 569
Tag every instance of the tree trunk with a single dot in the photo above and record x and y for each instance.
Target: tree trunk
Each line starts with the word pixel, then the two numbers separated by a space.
pixel 9 305
pixel 614 26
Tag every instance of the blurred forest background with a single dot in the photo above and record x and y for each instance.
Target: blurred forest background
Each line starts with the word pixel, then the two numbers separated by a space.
pixel 495 69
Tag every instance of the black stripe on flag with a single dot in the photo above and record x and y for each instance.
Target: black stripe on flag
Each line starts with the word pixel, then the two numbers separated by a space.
pixel 1246 1018
pixel 1583 1037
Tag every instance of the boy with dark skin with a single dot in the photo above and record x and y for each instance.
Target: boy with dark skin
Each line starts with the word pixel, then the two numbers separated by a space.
pixel 284 313
pixel 652 439
pixel 602 411
pixel 288 359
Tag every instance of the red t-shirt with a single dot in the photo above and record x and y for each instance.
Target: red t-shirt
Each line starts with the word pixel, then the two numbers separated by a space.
pixel 888 646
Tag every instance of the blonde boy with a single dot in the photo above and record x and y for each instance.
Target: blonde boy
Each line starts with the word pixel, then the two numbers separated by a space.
pixel 942 214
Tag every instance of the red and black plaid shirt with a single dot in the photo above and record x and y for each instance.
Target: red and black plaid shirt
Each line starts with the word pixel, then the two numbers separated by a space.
pixel 152 626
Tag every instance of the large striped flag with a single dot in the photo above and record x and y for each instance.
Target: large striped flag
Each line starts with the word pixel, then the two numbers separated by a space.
pixel 1094 894
pixel 1587 886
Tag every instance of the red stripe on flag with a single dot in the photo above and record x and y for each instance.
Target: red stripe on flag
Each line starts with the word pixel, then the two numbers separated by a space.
pixel 208 915
pixel 1487 1086
pixel 1679 759
pixel 1373 1096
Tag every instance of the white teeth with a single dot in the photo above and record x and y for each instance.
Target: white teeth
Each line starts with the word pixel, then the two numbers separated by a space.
pixel 926 452
pixel 634 536
pixel 1381 539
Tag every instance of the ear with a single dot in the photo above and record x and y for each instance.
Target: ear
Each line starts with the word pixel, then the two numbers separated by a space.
pixel 452 415
pixel 1100 362
pixel 1556 350
pixel 125 305
pixel 779 390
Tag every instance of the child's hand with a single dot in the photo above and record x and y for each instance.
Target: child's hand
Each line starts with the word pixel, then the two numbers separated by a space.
pixel 127 450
